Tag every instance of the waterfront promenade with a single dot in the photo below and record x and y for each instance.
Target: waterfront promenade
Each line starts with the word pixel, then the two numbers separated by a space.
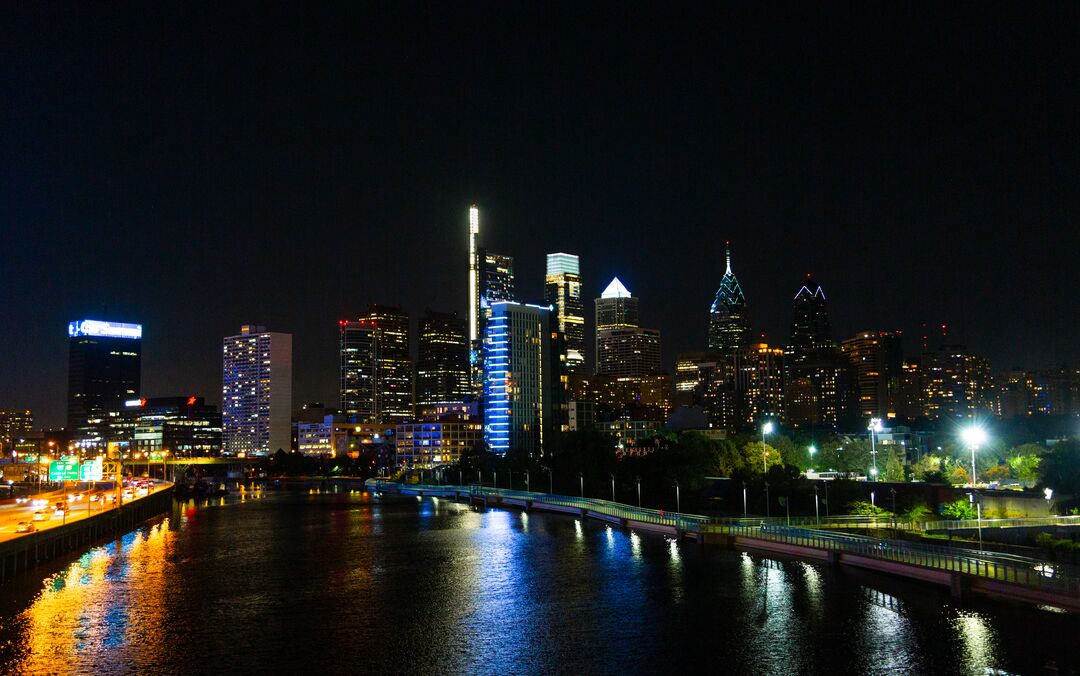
pixel 962 570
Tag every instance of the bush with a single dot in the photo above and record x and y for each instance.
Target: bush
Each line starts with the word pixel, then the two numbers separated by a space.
pixel 864 508
pixel 958 509
pixel 916 513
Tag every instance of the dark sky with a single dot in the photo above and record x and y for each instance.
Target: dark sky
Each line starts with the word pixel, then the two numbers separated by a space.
pixel 196 166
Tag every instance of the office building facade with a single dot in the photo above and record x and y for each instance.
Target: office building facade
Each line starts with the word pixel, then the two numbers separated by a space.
pixel 104 371
pixel 877 361
pixel 523 394
pixel 562 289
pixel 442 363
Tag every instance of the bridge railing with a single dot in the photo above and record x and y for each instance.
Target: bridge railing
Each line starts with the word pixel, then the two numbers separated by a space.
pixel 1003 567
pixel 1034 521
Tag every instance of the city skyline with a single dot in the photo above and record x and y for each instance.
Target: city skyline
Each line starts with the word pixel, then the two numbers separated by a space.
pixel 909 212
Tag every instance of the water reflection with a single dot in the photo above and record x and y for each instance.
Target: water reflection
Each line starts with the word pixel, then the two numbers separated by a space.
pixel 341 583
pixel 976 640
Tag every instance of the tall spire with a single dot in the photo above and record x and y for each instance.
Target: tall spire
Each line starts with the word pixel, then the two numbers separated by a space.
pixel 728 257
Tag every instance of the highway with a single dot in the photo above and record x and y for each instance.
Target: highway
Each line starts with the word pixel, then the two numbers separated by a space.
pixel 13 514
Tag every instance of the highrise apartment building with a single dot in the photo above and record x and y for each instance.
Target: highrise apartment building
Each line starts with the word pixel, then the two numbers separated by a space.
pixel 256 392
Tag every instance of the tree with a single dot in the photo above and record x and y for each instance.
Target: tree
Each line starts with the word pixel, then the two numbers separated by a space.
pixel 865 508
pixel 919 512
pixel 1024 462
pixel 752 459
pixel 1060 467
pixel 958 476
pixel 998 473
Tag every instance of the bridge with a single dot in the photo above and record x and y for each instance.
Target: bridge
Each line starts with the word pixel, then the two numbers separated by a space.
pixel 962 570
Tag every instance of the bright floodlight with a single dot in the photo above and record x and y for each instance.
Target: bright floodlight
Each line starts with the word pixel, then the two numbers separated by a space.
pixel 974 436
pixel 875 424
pixel 767 428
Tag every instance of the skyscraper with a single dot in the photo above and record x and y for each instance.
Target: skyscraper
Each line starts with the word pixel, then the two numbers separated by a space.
pixel 878 361
pixel 562 288
pixel 729 327
pixel 393 363
pixel 442 365
pixel 358 360
pixel 759 382
pixel 811 330
pixel 14 423
pixel 627 351
pixel 523 393
pixel 616 307
pixel 104 371
pixel 256 392
pixel 491 280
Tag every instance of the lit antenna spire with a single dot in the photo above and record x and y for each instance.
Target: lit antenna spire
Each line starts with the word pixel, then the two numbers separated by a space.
pixel 728 243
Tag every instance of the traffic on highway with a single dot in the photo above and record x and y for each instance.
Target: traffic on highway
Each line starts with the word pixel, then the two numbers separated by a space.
pixel 78 500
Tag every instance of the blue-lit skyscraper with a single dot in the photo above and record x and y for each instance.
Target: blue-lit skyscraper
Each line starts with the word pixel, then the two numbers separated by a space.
pixel 522 387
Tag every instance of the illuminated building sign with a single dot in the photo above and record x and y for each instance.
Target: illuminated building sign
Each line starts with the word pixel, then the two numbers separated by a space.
pixel 94 327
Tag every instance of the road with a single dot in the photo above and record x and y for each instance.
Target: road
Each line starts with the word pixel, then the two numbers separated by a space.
pixel 12 515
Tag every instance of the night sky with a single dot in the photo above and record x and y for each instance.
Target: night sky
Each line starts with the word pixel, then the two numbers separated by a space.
pixel 196 166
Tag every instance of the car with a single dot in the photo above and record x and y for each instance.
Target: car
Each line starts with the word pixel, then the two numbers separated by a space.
pixel 25 527
pixel 40 516
pixel 19 501
pixel 39 503
pixel 95 498
pixel 142 491
pixel 59 514
pixel 59 505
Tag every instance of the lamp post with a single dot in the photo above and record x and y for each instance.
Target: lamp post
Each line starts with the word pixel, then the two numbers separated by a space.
pixel 765 429
pixel 744 499
pixel 812 450
pixel 638 480
pixel 874 427
pixel 613 488
pixel 528 486
pixel 1048 493
pixel 974 436
pixel 678 505
pixel 817 509
pixel 826 499
pixel 551 483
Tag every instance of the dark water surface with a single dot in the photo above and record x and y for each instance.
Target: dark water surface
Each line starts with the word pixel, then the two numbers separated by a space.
pixel 345 583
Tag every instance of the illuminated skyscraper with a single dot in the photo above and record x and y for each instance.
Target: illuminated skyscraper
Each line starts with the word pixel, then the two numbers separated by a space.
pixel 104 371
pixel 442 365
pixel 630 351
pixel 616 307
pixel 358 357
pixel 878 362
pixel 759 382
pixel 256 392
pixel 729 327
pixel 474 275
pixel 14 423
pixel 491 280
pixel 523 392
pixel 811 330
pixel 562 288
pixel 391 389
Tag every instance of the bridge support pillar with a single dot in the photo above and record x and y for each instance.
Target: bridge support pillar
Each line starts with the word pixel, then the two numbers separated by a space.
pixel 958 586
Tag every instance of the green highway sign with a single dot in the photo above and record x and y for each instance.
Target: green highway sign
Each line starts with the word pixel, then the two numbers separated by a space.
pixel 91 470
pixel 66 469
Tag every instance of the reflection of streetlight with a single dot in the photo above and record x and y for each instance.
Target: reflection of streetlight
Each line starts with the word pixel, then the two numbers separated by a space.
pixel 765 429
pixel 874 427
pixel 974 436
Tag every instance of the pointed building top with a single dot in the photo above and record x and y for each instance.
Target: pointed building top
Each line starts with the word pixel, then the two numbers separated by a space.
pixel 728 243
pixel 615 290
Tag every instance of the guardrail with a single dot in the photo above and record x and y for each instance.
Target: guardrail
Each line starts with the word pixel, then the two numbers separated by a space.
pixel 1002 567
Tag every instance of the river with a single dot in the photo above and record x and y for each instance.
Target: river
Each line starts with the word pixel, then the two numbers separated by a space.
pixel 347 582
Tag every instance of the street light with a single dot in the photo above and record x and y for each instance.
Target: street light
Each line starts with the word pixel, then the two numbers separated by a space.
pixel 765 429
pixel 1048 493
pixel 813 450
pixel 581 477
pixel 974 436
pixel 638 480
pixel 874 427
pixel 678 505
pixel 613 488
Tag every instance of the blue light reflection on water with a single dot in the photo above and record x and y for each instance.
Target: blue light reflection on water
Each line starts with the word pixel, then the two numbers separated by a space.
pixel 349 582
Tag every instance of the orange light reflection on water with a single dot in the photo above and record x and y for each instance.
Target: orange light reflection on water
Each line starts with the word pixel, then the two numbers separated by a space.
pixel 82 613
